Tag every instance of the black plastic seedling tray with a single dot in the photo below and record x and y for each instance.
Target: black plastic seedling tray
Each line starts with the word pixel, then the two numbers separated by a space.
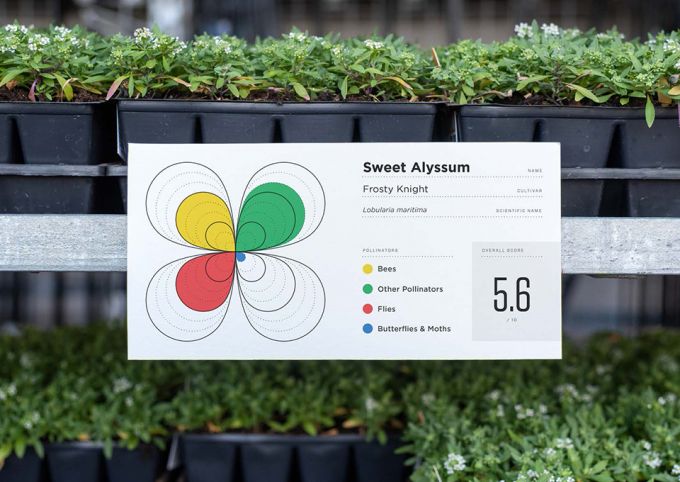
pixel 50 189
pixel 165 121
pixel 56 133
pixel 585 135
pixel 591 137
pixel 655 147
pixel 290 458
pixel 29 468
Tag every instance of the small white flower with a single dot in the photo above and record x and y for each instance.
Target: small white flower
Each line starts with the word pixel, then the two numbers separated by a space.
pixel 428 398
pixel 542 409
pixel 646 445
pixel 670 45
pixel 494 395
pixel 524 30
pixel 128 401
pixel 454 463
pixel 549 452
pixel 652 459
pixel 373 44
pixel 500 411
pixel 11 390
pixel 143 33
pixel 371 404
pixel 523 413
pixel 337 50
pixel 564 443
pixel 676 469
pixel 121 385
pixel 550 29
pixel 299 36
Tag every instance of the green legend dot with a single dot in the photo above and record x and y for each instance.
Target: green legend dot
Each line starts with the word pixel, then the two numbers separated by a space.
pixel 368 288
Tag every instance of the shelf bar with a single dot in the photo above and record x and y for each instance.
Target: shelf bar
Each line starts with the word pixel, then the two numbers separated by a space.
pixel 601 246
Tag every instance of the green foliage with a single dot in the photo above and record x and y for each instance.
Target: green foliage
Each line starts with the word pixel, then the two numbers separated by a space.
pixel 76 384
pixel 539 65
pixel 609 412
pixel 146 63
pixel 51 64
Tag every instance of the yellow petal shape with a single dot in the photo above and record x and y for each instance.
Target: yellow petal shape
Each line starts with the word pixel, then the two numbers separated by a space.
pixel 203 220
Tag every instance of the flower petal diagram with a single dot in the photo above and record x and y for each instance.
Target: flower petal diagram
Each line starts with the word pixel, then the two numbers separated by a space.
pixel 282 299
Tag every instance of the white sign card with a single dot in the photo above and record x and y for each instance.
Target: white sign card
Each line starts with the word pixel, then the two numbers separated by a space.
pixel 344 251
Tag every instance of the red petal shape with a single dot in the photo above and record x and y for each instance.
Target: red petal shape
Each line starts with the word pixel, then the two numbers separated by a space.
pixel 204 283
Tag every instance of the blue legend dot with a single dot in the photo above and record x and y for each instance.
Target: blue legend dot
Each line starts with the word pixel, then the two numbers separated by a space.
pixel 368 328
pixel 240 256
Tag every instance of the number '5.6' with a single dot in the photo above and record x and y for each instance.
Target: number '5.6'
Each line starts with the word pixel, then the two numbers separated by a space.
pixel 522 296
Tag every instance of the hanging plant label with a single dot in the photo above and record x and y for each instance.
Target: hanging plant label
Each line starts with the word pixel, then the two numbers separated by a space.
pixel 344 251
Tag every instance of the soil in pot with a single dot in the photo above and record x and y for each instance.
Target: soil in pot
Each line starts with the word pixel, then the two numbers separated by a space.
pixel 29 468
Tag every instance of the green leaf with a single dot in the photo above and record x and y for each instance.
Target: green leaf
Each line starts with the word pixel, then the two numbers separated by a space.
pixel 624 100
pixel 650 112
pixel 521 85
pixel 309 428
pixel 65 86
pixel 11 74
pixel 588 94
pixel 343 87
pixel 468 91
pixel 20 447
pixel 108 448
pixel 234 90
pixel 300 90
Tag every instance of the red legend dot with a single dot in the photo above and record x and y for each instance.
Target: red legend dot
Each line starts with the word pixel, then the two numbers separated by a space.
pixel 368 309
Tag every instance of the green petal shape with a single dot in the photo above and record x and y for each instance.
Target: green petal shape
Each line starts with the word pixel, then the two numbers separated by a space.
pixel 271 215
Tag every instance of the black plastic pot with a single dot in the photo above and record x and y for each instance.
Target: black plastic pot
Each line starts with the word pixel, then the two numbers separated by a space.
pixel 49 189
pixel 29 468
pixel 586 135
pixel 143 464
pixel 651 147
pixel 289 458
pixel 56 133
pixel 39 142
pixel 75 462
pixel 165 121
pixel 377 462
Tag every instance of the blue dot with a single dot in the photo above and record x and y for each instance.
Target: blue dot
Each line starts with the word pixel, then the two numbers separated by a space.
pixel 240 257
pixel 368 328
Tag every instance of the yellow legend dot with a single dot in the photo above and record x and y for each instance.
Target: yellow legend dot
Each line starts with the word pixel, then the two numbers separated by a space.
pixel 368 268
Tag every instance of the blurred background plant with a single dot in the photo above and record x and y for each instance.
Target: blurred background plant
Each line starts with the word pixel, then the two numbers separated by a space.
pixel 609 411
